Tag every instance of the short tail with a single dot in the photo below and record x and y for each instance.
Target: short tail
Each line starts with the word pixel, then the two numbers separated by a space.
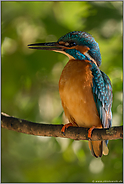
pixel 98 148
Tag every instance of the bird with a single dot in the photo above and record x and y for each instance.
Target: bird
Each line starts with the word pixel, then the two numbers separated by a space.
pixel 85 90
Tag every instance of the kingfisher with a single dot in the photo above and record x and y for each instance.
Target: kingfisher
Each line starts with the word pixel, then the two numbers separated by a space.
pixel 85 91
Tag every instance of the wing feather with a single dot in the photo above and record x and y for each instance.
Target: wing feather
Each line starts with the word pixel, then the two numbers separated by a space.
pixel 102 92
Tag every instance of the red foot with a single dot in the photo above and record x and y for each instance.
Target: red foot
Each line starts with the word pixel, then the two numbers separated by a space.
pixel 90 131
pixel 66 126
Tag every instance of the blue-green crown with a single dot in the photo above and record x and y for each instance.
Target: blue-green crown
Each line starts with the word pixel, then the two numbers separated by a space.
pixel 84 39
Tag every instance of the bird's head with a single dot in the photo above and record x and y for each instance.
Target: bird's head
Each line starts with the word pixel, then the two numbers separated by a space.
pixel 77 45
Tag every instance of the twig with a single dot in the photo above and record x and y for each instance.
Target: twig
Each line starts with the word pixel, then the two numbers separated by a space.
pixel 76 133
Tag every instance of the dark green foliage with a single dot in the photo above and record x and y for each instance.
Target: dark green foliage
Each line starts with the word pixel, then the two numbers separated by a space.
pixel 30 89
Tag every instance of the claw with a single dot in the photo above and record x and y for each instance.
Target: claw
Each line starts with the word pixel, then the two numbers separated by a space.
pixel 66 126
pixel 90 132
pixel 63 133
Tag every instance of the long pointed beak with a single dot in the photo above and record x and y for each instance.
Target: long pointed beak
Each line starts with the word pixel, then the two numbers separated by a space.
pixel 46 46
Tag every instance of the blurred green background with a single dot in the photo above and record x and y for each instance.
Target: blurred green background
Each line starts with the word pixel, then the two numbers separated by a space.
pixel 30 89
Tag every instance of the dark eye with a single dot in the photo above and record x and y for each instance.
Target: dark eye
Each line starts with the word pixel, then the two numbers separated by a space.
pixel 70 44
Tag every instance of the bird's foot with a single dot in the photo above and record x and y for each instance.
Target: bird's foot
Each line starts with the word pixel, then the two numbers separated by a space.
pixel 66 126
pixel 90 132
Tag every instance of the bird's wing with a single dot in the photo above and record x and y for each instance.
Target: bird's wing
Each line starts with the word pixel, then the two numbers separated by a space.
pixel 102 92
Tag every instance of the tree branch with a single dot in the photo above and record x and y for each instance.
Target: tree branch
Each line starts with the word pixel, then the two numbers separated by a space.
pixel 76 133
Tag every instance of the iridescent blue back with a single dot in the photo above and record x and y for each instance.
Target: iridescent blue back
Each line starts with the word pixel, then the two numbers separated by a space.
pixel 102 89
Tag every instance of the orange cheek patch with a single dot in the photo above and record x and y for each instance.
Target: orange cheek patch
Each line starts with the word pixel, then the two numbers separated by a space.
pixel 82 49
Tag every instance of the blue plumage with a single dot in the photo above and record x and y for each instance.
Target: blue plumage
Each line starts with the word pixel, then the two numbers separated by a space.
pixel 102 90
pixel 76 54
pixel 82 46
pixel 84 39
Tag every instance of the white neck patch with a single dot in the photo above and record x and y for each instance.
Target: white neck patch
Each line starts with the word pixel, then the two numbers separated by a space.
pixel 86 54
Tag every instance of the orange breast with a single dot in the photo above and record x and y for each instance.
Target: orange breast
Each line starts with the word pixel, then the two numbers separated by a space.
pixel 75 88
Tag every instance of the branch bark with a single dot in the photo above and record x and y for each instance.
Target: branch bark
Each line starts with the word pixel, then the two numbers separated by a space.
pixel 76 133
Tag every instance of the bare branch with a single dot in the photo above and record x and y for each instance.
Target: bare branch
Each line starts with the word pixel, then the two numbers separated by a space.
pixel 76 133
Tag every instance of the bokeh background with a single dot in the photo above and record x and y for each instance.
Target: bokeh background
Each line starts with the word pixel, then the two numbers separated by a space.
pixel 30 89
